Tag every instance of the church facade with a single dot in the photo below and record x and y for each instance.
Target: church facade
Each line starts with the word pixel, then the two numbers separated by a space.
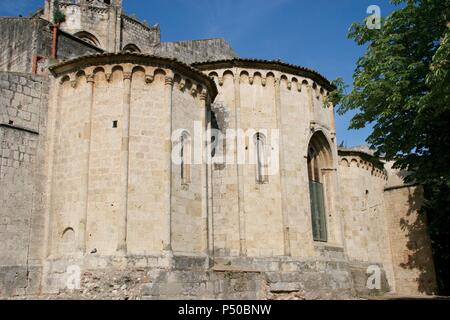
pixel 180 170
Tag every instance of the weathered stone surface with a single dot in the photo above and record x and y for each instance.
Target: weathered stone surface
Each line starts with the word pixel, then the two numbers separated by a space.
pixel 24 39
pixel 197 50
pixel 23 182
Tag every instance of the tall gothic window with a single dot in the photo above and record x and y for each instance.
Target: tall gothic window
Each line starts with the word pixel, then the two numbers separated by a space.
pixel 185 155
pixel 261 159
pixel 318 160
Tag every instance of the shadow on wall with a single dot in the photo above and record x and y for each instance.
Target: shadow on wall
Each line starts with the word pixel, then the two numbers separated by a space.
pixel 437 207
pixel 420 257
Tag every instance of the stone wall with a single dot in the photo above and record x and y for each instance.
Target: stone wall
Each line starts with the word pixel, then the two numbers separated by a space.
pixel 23 39
pixel 143 37
pixel 329 276
pixel 383 223
pixel 114 191
pixel 188 207
pixel 70 47
pixel 17 39
pixel 99 23
pixel 196 50
pixel 23 123
pixel 409 240
pixel 272 218
pixel 362 180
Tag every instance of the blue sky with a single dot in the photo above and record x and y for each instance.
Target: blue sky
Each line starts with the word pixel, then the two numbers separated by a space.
pixel 304 32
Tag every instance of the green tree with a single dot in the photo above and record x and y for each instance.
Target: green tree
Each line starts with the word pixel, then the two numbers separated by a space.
pixel 401 86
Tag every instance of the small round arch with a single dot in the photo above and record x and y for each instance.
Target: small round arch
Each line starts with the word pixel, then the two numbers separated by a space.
pixel 257 74
pixel 228 73
pixel 213 75
pixel 131 47
pixel 68 235
pixel 88 37
pixel 345 163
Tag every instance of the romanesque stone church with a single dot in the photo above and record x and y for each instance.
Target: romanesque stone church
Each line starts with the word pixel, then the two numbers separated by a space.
pixel 91 111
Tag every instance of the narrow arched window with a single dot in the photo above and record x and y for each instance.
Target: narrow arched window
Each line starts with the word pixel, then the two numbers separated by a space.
pixel 261 159
pixel 318 161
pixel 185 155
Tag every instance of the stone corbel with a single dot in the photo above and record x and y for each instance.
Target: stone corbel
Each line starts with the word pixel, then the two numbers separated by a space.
pixel 168 81
pixel 203 95
pixel 251 80
pixel 277 82
pixel 73 83
pixel 299 87
pixel 149 78
pixel 62 80
pixel 182 85
pixel 108 73
pixel 127 71
pixel 127 75
pixel 333 136
pixel 194 91
pixel 264 81
pixel 220 81
pixel 289 85
pixel 90 78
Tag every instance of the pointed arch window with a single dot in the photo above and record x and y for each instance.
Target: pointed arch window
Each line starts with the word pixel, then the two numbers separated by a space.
pixel 319 155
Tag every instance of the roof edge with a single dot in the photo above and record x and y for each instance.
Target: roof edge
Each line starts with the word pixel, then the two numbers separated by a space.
pixel 363 154
pixel 133 57
pixel 269 65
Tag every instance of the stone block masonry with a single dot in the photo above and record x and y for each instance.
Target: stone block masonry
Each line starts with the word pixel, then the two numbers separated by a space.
pixel 23 105
pixel 197 51
pixel 27 38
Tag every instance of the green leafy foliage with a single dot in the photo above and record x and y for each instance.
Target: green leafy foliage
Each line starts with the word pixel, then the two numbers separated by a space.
pixel 58 16
pixel 401 86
